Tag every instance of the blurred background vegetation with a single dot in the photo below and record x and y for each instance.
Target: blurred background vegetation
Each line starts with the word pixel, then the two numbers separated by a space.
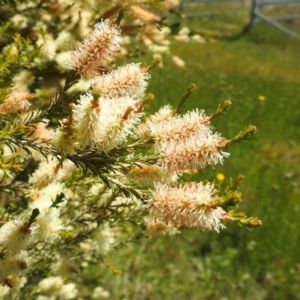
pixel 260 73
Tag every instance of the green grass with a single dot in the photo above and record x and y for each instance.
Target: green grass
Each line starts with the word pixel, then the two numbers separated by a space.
pixel 236 263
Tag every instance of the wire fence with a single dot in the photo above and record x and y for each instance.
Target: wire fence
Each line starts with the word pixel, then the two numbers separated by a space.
pixel 254 8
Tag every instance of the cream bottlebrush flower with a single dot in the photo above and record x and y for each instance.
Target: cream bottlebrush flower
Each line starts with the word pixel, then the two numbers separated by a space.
pixel 105 124
pixel 48 221
pixel 17 283
pixel 13 265
pixel 82 86
pixel 60 59
pixel 48 50
pixel 159 48
pixel 143 15
pixel 63 138
pixel 68 291
pixel 43 198
pixel 86 116
pixel 159 228
pixel 17 235
pixel 118 118
pixel 64 41
pixel 100 293
pixel 65 268
pixel 16 102
pixel 105 238
pixel 19 21
pixel 23 80
pixel 178 61
pixel 4 291
pixel 168 4
pixel 124 80
pixel 156 35
pixel 49 225
pixel 50 170
pixel 51 285
pixel 183 35
pixel 96 49
pixel 188 206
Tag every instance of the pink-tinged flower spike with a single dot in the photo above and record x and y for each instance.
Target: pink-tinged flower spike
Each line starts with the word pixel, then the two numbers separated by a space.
pixel 186 142
pixel 179 127
pixel 96 49
pixel 130 79
pixel 144 129
pixel 200 150
pixel 189 206
pixel 41 133
pixel 16 235
pixel 15 103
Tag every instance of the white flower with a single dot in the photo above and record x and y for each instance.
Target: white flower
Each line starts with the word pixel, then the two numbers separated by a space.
pixel 105 123
pixel 23 80
pixel 68 291
pixel 178 61
pixel 64 41
pixel 13 265
pixel 159 228
pixel 50 170
pixel 104 238
pixel 4 291
pixel 184 31
pixel 17 283
pixel 51 285
pixel 43 198
pixel 16 235
pixel 61 58
pixel 48 50
pixel 100 293
pixel 63 139
pixel 159 49
pixel 49 224
pixel 86 118
pixel 65 267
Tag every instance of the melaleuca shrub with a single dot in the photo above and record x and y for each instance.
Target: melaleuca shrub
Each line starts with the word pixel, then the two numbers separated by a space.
pixel 85 168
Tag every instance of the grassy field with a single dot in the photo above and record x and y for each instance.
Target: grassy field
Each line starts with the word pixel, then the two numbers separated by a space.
pixel 236 263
